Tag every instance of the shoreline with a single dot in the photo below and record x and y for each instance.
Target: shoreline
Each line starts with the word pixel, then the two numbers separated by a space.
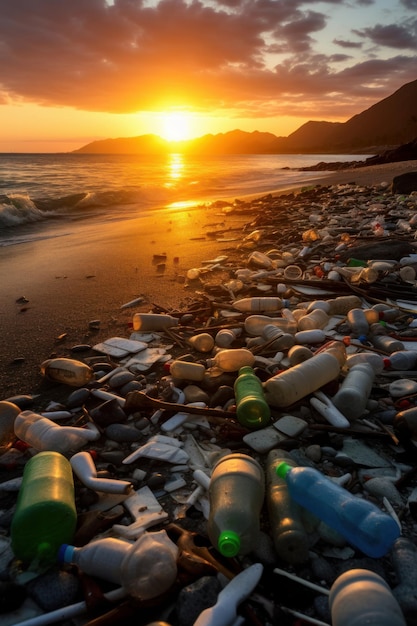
pixel 88 275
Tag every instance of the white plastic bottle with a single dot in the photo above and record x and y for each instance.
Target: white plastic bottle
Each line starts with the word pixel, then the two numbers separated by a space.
pixel 145 568
pixel 376 361
pixel 145 322
pixel 186 370
pixel 358 323
pixel 231 360
pixel 343 304
pixel 317 318
pixel 68 371
pixel 43 434
pixel 288 387
pixel 353 394
pixel 202 342
pixel 283 341
pixel 402 360
pixel 359 597
pixel 258 305
pixel 298 354
pixel 386 343
pixel 226 336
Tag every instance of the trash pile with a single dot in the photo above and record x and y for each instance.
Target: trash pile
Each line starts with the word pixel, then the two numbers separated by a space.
pixel 250 460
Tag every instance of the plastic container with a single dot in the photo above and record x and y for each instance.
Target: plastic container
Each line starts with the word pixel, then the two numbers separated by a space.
pixel 43 434
pixel 376 361
pixel 402 360
pixel 68 371
pixel 317 318
pixel 254 324
pixel 359 521
pixel 45 515
pixel 359 326
pixel 352 397
pixel 288 533
pixel 145 322
pixel 252 410
pixel 203 342
pixel 187 370
pixel 8 413
pixel 145 568
pixel 288 387
pixel 359 597
pixel 226 336
pixel 258 305
pixel 283 341
pixel 231 360
pixel 386 344
pixel 236 494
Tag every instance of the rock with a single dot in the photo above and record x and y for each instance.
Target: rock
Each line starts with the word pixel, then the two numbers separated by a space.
pixel 404 183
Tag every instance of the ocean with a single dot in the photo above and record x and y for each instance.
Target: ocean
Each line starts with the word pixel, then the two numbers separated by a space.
pixel 37 190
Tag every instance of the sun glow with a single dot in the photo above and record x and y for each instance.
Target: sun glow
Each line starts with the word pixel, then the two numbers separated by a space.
pixel 175 126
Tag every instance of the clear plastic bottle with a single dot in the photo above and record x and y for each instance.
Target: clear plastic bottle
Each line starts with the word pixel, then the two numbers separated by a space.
pixel 285 515
pixel 252 410
pixel 68 371
pixel 343 304
pixel 226 336
pixel 202 342
pixel 310 337
pixel 354 392
pixel 231 360
pixel 254 324
pixel 376 361
pixel 145 322
pixel 43 434
pixel 186 370
pixel 258 305
pixel 145 568
pixel 317 318
pixel 45 514
pixel 286 388
pixel 386 344
pixel 8 413
pixel 236 494
pixel 360 596
pixel 359 521
pixel 359 326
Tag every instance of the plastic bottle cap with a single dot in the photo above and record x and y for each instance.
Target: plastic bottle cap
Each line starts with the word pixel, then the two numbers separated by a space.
pixel 228 543
pixel 282 469
pixel 65 553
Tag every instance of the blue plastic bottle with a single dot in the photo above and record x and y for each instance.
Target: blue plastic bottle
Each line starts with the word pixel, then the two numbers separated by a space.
pixel 359 521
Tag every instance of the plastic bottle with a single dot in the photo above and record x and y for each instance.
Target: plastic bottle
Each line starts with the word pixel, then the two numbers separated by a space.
pixel 358 520
pixel 145 322
pixel 283 341
pixel 288 533
pixel 359 597
pixel 236 494
pixel 231 360
pixel 376 361
pixel 8 413
pixel 343 304
pixel 258 305
pixel 68 371
pixel 372 316
pixel 317 318
pixel 354 392
pixel 43 434
pixel 254 324
pixel 226 336
pixel 358 323
pixel 187 370
pixel 202 342
pixel 252 410
pixel 402 360
pixel 310 337
pixel 298 354
pixel 386 344
pixel 259 259
pixel 288 387
pixel 145 568
pixel 45 514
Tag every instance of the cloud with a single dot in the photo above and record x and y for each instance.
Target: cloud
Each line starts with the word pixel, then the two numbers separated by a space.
pixel 254 56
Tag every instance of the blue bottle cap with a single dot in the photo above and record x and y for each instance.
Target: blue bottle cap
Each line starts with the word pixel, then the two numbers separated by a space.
pixel 65 553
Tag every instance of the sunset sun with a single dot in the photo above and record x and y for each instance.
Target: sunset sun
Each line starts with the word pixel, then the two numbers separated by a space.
pixel 175 126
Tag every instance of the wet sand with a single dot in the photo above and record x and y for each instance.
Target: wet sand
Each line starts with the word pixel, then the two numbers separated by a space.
pixel 92 269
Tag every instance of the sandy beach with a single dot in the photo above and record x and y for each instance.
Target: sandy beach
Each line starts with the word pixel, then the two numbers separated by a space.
pixel 69 280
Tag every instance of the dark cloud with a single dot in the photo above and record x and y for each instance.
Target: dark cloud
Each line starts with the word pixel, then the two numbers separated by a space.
pixel 392 35
pixel 130 55
pixel 409 4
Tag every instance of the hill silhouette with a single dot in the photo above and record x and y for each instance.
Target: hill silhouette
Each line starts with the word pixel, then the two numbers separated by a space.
pixel 384 126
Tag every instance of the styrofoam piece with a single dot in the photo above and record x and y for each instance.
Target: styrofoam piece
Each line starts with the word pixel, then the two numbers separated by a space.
pixel 264 439
pixel 145 510
pixel 145 359
pixel 156 449
pixel 119 347
pixel 290 425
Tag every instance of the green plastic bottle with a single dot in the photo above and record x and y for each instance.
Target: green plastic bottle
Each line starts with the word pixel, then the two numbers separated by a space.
pixel 252 410
pixel 45 515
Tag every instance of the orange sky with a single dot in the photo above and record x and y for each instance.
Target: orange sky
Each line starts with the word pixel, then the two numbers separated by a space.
pixel 74 72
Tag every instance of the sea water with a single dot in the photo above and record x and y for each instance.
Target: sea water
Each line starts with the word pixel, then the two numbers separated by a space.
pixel 37 189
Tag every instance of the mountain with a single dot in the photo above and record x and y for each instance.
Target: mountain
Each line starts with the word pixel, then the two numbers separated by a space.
pixel 385 125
